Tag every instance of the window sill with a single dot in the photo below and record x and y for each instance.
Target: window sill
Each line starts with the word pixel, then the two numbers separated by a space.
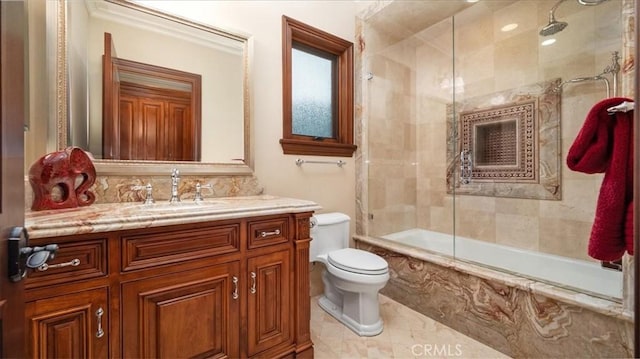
pixel 304 147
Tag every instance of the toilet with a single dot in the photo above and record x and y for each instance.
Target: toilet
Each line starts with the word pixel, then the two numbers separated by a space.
pixel 352 277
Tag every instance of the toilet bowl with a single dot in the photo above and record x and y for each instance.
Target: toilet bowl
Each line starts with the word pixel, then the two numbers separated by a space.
pixel 352 277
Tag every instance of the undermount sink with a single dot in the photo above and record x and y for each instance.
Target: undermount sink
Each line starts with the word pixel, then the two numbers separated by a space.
pixel 181 206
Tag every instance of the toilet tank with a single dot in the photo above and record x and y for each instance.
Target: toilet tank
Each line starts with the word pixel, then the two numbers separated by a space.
pixel 329 232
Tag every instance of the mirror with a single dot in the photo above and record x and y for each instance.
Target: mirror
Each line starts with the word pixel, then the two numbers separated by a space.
pixel 145 35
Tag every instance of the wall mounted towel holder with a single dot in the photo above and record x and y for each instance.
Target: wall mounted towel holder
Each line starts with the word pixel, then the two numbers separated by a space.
pixel 339 163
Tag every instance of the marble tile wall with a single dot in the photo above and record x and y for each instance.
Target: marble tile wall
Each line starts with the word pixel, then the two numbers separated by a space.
pixel 404 116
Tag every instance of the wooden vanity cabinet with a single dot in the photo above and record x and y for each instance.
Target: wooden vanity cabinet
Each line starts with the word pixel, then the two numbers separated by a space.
pixel 222 289
pixel 67 305
pixel 182 314
pixel 269 318
pixel 69 325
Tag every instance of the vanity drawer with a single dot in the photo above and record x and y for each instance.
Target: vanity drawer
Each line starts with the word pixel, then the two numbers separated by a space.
pixel 160 248
pixel 73 261
pixel 268 232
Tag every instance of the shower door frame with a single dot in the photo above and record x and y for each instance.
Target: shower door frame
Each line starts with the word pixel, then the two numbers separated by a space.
pixel 636 196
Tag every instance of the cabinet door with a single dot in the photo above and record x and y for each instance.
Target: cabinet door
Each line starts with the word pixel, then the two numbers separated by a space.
pixel 270 315
pixel 182 315
pixel 69 326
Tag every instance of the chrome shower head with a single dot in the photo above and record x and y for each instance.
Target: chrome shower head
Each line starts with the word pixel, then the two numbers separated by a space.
pixel 591 2
pixel 553 27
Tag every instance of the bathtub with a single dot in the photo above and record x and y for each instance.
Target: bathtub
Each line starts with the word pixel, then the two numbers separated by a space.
pixel 576 274
pixel 523 316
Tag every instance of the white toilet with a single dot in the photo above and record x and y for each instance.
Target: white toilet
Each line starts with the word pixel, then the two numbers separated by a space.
pixel 352 277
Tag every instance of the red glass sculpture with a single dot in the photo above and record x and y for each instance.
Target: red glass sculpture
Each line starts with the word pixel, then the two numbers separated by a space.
pixel 62 179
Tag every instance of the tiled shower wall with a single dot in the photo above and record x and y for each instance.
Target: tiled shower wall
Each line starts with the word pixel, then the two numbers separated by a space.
pixel 392 141
pixel 412 85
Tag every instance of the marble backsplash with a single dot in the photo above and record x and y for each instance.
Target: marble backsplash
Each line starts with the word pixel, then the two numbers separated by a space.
pixel 115 189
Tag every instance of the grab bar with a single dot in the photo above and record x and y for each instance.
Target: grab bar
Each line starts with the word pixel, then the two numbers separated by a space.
pixel 339 163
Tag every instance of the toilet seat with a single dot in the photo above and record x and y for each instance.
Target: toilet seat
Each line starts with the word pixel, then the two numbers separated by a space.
pixel 358 261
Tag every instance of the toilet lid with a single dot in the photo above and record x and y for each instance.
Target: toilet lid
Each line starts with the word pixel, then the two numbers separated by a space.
pixel 358 261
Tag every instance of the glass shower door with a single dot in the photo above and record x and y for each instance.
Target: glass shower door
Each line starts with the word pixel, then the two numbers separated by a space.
pixel 408 91
pixel 521 101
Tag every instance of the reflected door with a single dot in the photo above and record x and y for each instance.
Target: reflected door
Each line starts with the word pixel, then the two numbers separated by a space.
pixel 149 112
pixel 155 124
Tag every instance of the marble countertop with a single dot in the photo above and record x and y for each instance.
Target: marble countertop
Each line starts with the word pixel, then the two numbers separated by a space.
pixel 119 216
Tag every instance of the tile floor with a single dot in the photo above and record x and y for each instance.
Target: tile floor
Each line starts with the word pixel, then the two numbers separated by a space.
pixel 407 334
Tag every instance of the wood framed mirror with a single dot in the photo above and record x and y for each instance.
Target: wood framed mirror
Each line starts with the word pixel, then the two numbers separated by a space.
pixel 74 115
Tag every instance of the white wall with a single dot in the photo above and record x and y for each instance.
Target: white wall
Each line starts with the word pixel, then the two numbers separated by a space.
pixel 332 187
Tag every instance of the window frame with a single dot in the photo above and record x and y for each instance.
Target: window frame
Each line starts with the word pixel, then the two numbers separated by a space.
pixel 296 34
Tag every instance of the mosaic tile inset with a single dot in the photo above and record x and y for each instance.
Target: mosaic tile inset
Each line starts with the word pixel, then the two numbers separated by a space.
pixel 502 142
pixel 513 139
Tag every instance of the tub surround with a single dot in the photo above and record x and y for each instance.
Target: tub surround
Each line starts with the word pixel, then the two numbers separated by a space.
pixel 517 316
pixel 582 276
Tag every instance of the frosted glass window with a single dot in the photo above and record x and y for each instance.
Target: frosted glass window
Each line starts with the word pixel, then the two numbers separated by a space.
pixel 317 92
pixel 312 95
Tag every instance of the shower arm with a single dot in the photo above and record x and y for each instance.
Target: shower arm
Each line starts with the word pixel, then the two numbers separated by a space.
pixel 583 79
pixel 606 82
pixel 552 17
pixel 553 9
pixel 613 69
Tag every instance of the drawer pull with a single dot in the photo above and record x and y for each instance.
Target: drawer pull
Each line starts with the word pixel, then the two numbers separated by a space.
pixel 99 332
pixel 253 283
pixel 235 288
pixel 73 263
pixel 265 234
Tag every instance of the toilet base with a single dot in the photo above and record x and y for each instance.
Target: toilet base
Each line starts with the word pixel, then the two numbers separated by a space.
pixel 358 328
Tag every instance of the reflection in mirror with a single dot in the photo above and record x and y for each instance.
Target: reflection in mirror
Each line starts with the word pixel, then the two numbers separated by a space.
pixel 148 36
pixel 148 112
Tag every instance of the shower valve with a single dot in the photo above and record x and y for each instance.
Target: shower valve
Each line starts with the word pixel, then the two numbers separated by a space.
pixel 466 167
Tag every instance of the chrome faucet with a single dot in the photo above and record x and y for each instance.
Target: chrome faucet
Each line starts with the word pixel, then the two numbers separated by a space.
pixel 175 181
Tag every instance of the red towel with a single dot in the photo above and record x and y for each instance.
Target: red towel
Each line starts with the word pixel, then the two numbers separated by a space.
pixel 605 144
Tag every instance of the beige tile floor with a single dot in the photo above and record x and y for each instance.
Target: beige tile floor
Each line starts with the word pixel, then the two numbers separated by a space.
pixel 407 334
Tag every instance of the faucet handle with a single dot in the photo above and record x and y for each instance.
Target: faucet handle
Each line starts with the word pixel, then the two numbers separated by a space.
pixel 175 179
pixel 198 197
pixel 148 199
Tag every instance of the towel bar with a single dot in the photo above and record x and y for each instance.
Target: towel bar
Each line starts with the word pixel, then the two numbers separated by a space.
pixel 339 163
